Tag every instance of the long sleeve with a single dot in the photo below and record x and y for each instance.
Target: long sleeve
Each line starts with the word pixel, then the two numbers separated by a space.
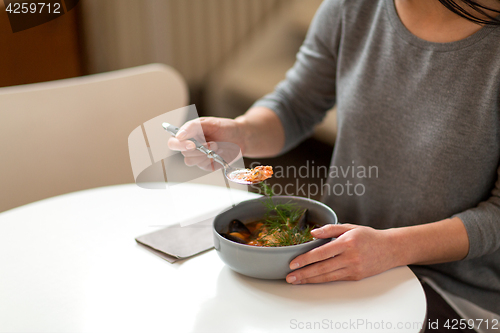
pixel 308 91
pixel 483 224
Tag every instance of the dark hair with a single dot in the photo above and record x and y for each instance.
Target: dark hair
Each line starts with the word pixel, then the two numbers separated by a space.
pixel 476 7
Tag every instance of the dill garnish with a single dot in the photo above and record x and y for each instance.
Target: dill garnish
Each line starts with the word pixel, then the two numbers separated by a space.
pixel 282 222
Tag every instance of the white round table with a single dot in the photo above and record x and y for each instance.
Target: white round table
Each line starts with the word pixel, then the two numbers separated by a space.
pixel 71 264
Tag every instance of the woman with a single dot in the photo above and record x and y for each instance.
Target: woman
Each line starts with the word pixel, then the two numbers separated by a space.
pixel 417 89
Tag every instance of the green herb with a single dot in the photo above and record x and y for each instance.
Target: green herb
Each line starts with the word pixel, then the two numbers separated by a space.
pixel 291 237
pixel 268 191
pixel 281 221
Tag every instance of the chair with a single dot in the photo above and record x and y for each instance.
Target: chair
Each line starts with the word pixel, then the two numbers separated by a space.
pixel 69 135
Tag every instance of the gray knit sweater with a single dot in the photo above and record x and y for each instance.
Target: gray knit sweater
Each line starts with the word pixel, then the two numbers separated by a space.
pixel 419 124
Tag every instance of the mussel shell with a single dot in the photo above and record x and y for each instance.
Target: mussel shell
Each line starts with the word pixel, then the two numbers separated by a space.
pixel 234 238
pixel 302 223
pixel 238 226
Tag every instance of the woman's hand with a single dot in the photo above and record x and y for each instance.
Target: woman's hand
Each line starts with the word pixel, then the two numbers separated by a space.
pixel 258 133
pixel 230 152
pixel 208 129
pixel 358 252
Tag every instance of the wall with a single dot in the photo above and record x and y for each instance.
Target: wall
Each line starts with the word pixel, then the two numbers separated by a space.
pixel 50 51
pixel 193 36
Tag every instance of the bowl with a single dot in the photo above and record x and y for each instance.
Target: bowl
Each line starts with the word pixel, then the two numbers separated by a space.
pixel 259 261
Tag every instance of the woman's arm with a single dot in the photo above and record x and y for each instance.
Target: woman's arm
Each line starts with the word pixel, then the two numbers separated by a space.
pixel 359 251
pixel 431 243
pixel 262 132
pixel 285 117
pixel 309 90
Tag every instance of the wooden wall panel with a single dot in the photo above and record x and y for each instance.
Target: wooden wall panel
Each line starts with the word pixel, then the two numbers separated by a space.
pixel 47 52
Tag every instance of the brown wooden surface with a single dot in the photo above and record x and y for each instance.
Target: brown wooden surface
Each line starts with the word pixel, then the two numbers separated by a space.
pixel 47 52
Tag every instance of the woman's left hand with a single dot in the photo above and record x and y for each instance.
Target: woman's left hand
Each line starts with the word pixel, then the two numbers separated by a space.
pixel 356 253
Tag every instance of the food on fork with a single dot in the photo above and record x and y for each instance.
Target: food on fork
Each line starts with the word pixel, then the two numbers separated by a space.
pixel 257 174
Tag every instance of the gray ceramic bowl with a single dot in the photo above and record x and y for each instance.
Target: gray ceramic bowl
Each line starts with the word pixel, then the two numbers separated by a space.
pixel 265 262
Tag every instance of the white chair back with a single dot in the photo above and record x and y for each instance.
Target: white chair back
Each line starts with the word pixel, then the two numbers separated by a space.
pixel 69 135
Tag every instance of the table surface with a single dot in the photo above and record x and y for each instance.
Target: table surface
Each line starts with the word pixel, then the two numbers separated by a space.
pixel 71 264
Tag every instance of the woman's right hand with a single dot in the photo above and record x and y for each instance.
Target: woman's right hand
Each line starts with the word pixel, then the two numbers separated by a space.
pixel 221 135
pixel 258 133
pixel 207 129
